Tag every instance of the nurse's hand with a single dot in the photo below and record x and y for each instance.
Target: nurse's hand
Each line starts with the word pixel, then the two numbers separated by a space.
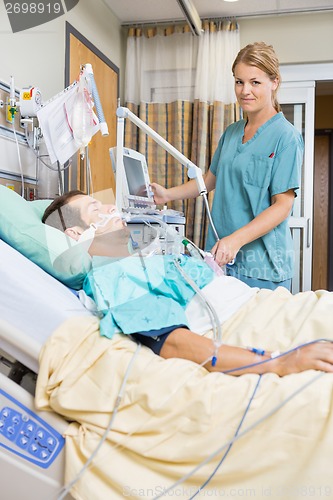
pixel 160 194
pixel 225 250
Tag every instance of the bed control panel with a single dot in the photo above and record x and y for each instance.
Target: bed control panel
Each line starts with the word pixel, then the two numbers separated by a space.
pixel 24 433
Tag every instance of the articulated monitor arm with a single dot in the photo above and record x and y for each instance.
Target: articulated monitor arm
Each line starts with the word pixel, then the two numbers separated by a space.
pixel 194 172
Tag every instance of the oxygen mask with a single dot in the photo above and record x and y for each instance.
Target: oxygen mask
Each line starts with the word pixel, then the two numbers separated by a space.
pixel 88 235
pixel 106 218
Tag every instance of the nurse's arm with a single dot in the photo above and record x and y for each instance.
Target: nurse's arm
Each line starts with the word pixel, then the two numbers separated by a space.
pixel 226 249
pixel 184 191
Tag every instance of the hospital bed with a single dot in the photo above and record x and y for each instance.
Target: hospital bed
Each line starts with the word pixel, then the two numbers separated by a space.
pixel 166 427
pixel 31 442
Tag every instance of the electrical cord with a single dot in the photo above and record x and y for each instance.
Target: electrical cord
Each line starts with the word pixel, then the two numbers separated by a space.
pixel 231 444
pixel 232 370
pixel 204 195
pixel 114 412
pixel 237 434
pixel 40 158
pixel 240 435
pixel 19 159
pixel 227 445
pixel 137 429
pixel 210 309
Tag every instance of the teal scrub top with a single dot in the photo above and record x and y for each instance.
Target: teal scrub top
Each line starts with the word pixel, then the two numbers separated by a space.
pixel 137 294
pixel 247 176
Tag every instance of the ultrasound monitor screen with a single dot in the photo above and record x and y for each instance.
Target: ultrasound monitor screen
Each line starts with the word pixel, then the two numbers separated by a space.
pixel 135 177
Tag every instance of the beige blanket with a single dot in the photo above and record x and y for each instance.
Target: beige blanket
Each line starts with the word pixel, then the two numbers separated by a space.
pixel 175 415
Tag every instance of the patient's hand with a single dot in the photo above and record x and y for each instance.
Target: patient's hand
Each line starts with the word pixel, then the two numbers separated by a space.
pixel 317 356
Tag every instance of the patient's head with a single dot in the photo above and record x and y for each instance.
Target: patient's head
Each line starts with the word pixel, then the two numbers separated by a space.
pixel 74 212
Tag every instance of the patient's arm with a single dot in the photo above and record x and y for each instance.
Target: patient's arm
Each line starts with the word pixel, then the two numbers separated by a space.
pixel 183 343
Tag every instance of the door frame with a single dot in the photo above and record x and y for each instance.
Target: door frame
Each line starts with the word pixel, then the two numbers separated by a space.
pixel 299 94
pixel 302 72
pixel 316 72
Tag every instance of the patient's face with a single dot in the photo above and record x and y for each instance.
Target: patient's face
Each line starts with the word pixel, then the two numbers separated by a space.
pixel 110 239
pixel 91 210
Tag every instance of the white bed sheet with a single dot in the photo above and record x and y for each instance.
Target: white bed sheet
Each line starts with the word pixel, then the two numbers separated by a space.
pixel 225 294
pixel 32 301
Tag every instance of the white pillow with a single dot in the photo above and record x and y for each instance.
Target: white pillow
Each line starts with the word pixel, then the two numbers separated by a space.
pixel 31 300
pixel 22 228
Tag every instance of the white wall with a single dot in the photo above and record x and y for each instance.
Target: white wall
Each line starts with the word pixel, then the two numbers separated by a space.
pixel 37 56
pixel 300 38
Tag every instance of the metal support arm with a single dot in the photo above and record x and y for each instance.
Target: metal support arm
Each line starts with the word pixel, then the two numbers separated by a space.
pixel 194 172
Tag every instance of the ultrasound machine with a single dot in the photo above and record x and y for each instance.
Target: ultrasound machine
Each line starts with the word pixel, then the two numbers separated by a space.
pixel 135 198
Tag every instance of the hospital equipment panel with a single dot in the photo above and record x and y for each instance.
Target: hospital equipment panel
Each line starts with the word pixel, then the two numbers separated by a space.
pixel 31 446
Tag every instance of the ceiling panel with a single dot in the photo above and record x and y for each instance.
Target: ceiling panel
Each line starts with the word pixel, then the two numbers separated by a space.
pixel 133 11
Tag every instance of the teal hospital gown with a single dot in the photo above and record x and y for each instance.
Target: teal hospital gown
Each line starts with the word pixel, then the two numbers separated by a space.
pixel 139 294
pixel 247 176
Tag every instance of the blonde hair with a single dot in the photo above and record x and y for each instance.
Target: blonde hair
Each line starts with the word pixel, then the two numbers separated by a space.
pixel 262 56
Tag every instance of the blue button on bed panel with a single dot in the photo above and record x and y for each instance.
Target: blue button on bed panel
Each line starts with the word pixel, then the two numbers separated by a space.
pixel 24 433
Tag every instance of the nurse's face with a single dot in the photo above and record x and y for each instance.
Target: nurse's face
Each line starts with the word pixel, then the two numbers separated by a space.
pixel 253 88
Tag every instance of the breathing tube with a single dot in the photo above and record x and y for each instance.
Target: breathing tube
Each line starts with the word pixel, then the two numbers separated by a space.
pixel 88 235
pixel 163 232
pixel 217 331
pixel 209 215
pixel 237 436
pixel 178 242
pixel 208 258
pixel 168 233
pixel 102 122
pixel 89 463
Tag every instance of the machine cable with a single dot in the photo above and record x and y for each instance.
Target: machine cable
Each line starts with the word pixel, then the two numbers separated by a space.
pixel 114 412
pixel 240 435
pixel 231 443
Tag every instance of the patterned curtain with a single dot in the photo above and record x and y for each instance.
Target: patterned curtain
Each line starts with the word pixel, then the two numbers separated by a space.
pixel 192 123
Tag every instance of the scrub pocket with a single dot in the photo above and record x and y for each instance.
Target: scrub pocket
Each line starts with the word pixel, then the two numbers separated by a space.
pixel 258 171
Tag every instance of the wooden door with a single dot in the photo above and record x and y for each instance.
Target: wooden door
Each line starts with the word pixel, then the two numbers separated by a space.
pixel 321 213
pixel 101 182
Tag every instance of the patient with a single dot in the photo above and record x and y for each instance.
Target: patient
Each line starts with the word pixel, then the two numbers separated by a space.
pixel 82 218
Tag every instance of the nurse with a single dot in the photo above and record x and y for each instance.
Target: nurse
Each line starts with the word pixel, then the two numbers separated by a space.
pixel 255 172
